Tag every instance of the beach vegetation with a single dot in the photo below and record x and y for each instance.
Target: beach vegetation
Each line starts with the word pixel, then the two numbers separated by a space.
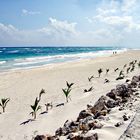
pixel 100 71
pixel 35 108
pixel 88 90
pixel 67 90
pixel 69 85
pixel 40 94
pixel 90 78
pixel 133 68
pixel 3 103
pixel 121 73
pixel 127 70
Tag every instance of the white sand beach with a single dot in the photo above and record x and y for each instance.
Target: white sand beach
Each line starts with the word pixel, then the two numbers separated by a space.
pixel 23 86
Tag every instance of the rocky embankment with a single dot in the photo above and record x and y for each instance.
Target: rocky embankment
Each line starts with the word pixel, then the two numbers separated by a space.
pixel 83 128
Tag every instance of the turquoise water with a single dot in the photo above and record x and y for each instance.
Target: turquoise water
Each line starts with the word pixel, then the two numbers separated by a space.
pixel 28 57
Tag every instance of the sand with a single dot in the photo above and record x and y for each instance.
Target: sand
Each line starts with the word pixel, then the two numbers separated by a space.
pixel 23 86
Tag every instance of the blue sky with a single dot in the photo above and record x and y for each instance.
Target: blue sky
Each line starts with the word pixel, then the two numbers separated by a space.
pixel 70 22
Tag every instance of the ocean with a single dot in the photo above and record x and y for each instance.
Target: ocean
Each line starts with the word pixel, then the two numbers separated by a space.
pixel 12 58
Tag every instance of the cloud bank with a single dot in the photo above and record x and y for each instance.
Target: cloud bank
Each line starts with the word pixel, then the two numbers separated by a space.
pixel 114 23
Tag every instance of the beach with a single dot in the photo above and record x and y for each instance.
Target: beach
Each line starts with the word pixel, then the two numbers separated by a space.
pixel 23 86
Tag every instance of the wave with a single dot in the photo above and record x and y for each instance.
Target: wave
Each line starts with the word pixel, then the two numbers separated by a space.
pixel 2 62
pixel 29 63
pixel 64 57
pixel 14 51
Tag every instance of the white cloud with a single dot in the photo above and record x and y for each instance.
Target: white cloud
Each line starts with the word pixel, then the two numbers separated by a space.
pixel 115 22
pixel 59 27
pixel 128 5
pixel 26 12
pixel 55 33
pixel 126 23
pixel 89 19
pixel 117 15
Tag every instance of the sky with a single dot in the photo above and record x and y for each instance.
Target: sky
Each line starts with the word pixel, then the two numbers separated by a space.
pixel 70 23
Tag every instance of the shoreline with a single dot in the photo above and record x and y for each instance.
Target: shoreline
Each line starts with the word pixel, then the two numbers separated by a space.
pixel 108 54
pixel 59 64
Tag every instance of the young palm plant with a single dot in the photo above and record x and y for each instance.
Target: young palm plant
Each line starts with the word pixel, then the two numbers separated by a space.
pixel 100 71
pixel 35 108
pixel 90 78
pixel 133 68
pixel 121 73
pixel 127 70
pixel 3 103
pixel 69 85
pixel 67 90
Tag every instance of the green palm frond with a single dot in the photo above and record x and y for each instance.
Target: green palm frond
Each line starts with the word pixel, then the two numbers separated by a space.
pixel 35 108
pixel 38 108
pixel 41 92
pixel 69 85
pixel 4 102
pixel 67 90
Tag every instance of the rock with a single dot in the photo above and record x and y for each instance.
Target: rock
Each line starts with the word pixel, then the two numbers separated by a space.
pixel 47 137
pixel 124 100
pixel 136 78
pixel 84 127
pixel 133 84
pixel 121 108
pixel 99 105
pixel 118 124
pixel 68 127
pixel 83 114
pixel 74 129
pixel 83 137
pixel 87 119
pixel 122 91
pixel 73 126
pixel 136 94
pixel 59 132
pixel 127 80
pixel 40 137
pixel 125 118
pixel 89 106
pixel 139 85
pixel 94 125
pixel 104 112
pixel 67 123
pixel 72 136
pixel 111 103
pixel 100 113
pixel 112 94
pixel 62 131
